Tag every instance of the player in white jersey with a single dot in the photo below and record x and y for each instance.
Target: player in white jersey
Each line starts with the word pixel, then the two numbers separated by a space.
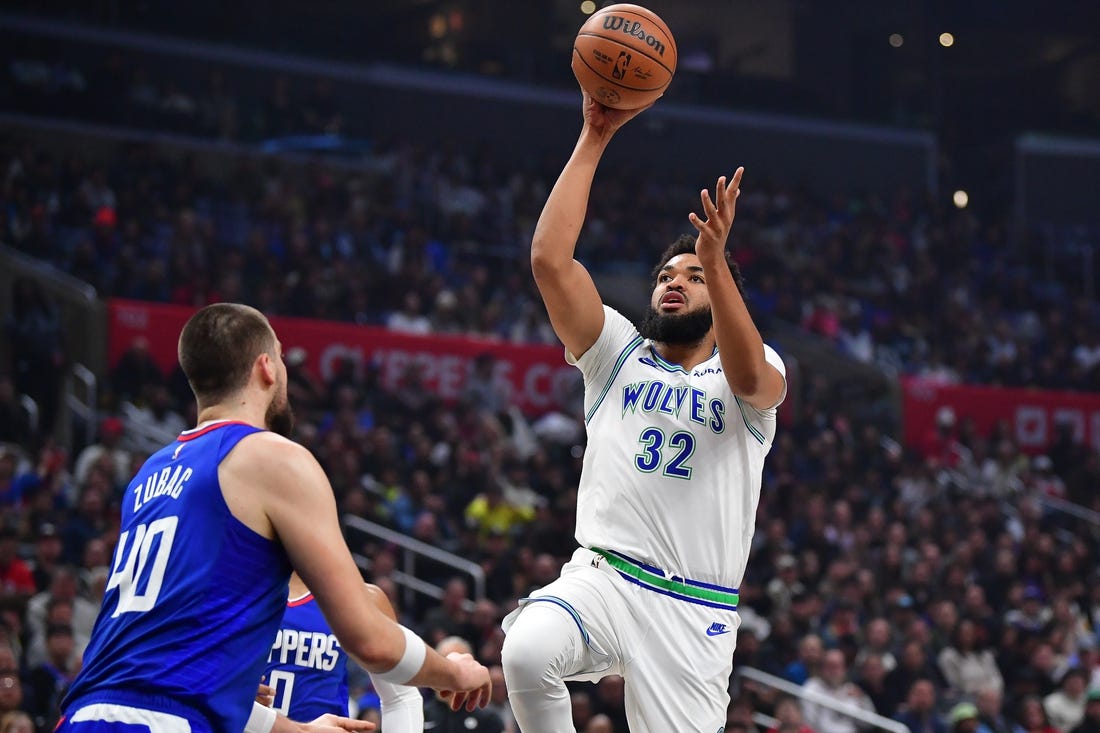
pixel 680 414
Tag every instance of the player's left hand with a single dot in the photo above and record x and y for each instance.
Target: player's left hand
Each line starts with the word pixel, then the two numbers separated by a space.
pixel 719 213
pixel 265 695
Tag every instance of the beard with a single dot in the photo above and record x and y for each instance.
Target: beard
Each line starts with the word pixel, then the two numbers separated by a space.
pixel 669 328
pixel 279 418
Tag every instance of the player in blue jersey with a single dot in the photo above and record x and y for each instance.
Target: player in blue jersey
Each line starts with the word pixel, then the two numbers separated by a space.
pixel 211 526
pixel 307 668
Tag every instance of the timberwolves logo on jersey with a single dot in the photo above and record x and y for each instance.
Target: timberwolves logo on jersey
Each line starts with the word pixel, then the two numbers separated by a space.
pixel 679 401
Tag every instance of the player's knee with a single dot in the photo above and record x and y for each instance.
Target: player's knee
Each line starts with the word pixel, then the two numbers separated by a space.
pixel 534 649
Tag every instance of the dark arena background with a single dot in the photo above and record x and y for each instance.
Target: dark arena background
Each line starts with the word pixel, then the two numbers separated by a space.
pixel 917 230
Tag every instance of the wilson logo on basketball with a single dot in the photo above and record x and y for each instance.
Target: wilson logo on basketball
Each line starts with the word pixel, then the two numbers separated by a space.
pixel 633 28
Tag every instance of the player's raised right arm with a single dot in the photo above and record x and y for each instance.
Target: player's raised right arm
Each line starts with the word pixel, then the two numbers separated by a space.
pixel 571 299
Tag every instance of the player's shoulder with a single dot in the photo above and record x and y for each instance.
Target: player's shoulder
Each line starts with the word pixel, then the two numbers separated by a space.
pixel 267 452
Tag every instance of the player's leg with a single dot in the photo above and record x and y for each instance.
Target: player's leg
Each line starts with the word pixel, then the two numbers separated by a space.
pixel 566 631
pixel 679 679
pixel 402 705
pixel 542 647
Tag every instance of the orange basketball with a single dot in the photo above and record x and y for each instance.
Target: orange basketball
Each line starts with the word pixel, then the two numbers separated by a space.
pixel 624 56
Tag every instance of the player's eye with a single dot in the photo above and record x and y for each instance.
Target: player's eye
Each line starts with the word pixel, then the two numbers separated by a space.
pixel 696 278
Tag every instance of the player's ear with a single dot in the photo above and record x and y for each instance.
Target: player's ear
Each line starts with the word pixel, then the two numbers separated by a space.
pixel 265 368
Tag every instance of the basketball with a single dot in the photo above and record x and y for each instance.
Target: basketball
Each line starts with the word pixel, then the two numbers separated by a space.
pixel 624 56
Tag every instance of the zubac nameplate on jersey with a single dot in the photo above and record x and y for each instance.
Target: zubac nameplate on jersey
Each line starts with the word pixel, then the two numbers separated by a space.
pixel 168 481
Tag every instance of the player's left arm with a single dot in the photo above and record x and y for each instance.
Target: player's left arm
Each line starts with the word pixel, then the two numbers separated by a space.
pixel 740 347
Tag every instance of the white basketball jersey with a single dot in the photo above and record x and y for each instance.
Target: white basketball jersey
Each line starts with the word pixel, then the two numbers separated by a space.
pixel 673 466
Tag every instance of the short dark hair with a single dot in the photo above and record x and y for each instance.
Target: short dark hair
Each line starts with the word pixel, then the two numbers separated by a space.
pixel 218 346
pixel 686 244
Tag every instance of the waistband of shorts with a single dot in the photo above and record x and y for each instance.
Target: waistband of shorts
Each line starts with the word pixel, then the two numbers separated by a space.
pixel 655 579
pixel 144 701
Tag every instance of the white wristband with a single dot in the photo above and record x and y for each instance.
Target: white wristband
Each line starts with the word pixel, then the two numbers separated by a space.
pixel 411 661
pixel 262 719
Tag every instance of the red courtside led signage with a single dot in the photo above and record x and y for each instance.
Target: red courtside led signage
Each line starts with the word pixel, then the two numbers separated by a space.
pixel 539 377
pixel 1032 415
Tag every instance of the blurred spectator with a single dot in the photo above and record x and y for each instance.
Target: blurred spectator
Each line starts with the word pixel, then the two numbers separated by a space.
pixel 15 575
pixel 967 668
pixel 877 642
pixel 599 723
pixel 919 711
pixel 834 684
pixel 48 682
pixel 499 705
pixel 11 684
pixel 108 450
pixel 581 705
pixel 811 652
pixel 1032 718
pixel 964 718
pixel 989 701
pixel 63 589
pixel 610 701
pixel 47 555
pixel 153 423
pixel 1032 615
pixel 1065 707
pixel 788 713
pixel 490 512
pixel 410 319
pixel 135 371
pixel 438 715
pixel 16 722
pixel 449 618
pixel 1091 722
pixel 486 387
pixel 872 680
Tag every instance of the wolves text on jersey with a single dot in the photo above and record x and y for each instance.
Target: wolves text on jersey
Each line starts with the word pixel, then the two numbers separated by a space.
pixel 679 400
pixel 313 649
pixel 168 481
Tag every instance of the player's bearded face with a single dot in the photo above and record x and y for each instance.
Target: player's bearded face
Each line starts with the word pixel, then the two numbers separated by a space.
pixel 676 328
pixel 279 417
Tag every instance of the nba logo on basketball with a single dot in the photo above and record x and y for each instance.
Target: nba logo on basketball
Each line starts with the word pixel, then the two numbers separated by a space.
pixel 620 66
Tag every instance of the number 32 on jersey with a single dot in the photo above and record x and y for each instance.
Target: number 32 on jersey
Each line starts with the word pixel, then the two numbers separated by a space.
pixel 671 452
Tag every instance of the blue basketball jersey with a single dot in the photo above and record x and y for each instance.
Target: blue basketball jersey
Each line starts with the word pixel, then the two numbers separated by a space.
pixel 194 597
pixel 307 666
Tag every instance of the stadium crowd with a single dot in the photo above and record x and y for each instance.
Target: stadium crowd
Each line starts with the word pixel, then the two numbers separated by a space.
pixel 910 585
pixel 411 238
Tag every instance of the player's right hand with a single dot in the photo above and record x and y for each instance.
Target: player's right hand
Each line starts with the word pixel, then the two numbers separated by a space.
pixel 329 723
pixel 472 685
pixel 603 119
